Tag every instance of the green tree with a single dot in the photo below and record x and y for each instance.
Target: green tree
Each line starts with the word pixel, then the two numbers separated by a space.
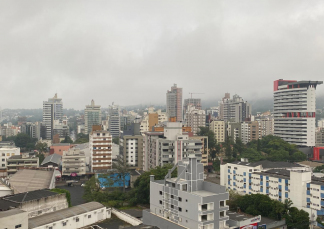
pixel 205 131
pixel 41 147
pixel 253 155
pixel 91 190
pixel 22 140
pixel 116 140
pixel 82 138
pixel 141 191
pixel 41 157
pixel 296 218
pixel 239 146
pixel 67 139
pixel 298 156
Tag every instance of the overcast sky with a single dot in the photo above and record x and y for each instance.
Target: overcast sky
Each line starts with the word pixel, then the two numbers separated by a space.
pixel 132 52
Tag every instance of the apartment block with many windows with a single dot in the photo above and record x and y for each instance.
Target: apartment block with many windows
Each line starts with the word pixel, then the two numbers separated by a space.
pixel 100 150
pixel 187 201
pixel 294 111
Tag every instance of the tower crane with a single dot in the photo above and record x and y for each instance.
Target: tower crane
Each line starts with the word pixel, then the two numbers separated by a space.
pixel 191 93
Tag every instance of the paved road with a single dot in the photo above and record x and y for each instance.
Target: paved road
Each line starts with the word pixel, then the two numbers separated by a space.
pixel 76 194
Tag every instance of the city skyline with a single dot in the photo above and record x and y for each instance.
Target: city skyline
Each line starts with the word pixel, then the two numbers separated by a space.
pixel 131 53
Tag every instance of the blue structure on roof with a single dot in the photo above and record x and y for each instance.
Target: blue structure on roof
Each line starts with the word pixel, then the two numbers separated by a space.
pixel 114 181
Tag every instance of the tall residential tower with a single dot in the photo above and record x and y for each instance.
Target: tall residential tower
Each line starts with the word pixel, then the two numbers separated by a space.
pixel 174 103
pixel 294 111
pixel 92 116
pixel 52 111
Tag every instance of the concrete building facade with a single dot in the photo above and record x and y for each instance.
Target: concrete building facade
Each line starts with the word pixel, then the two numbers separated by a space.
pixel 114 121
pixel 73 163
pixel 92 116
pixel 169 146
pixel 14 218
pixel 235 109
pixel 187 201
pixel 133 150
pixel 294 111
pixel 219 129
pixel 174 103
pixel 52 110
pixel 16 162
pixel 195 118
pixel 100 144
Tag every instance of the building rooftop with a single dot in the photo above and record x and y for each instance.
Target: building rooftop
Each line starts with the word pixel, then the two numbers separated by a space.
pixel 63 214
pixel 54 158
pixel 6 205
pixel 279 173
pixel 29 196
pixel 28 180
pixel 268 164
pixel 238 216
pixel 10 212
pixel 15 157
pixel 203 193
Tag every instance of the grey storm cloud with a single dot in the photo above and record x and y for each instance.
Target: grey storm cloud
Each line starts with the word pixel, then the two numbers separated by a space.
pixel 131 52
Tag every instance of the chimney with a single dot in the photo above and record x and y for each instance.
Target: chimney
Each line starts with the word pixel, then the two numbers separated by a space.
pixel 151 177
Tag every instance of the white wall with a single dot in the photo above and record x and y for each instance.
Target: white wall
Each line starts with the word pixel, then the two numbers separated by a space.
pixel 10 222
pixel 84 220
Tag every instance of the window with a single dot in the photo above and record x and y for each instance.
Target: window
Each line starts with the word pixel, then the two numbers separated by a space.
pixel 160 192
pixel 204 218
pixel 89 216
pixel 50 227
pixel 222 203
pixel 180 209
pixel 187 210
pixel 180 199
pixel 186 200
pixel 64 223
pixel 172 206
pixel 77 219
pixel 18 226
pixel 221 214
pixel 172 197
pixel 204 207
pixel 160 201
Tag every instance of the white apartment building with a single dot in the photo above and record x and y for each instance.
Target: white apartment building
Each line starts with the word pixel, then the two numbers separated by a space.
pixel 73 162
pixel 266 125
pixel 219 128
pixel 187 201
pixel 114 121
pixel 92 116
pixel 278 180
pixel 250 131
pixel 162 116
pixel 100 144
pixel 144 125
pixel 294 111
pixel 133 150
pixel 6 153
pixel 52 110
pixel 195 118
pixel 170 146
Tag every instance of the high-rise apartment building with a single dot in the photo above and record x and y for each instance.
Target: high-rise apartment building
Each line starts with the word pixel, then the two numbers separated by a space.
pixel 235 109
pixel 174 103
pixel 187 201
pixel 169 146
pixel 100 144
pixel 195 118
pixel 294 111
pixel 73 162
pixel 52 110
pixel 133 150
pixel 250 131
pixel 114 121
pixel 92 116
pixel 191 102
pixel 219 129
